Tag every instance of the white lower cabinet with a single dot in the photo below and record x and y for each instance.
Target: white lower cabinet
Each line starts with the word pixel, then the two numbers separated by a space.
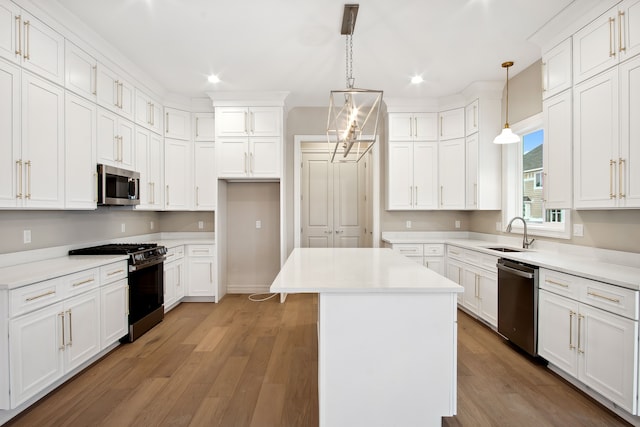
pixel 58 325
pixel 594 345
pixel 202 275
pixel 431 255
pixel 174 277
pixel 476 272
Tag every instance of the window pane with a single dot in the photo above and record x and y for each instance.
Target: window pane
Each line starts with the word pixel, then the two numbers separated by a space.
pixel 532 206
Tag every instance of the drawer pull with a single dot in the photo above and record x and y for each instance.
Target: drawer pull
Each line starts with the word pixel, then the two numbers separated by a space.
pixel 201 251
pixel 41 295
pixel 553 282
pixel 454 253
pixel 170 255
pixel 595 295
pixel 115 272
pixel 84 282
pixel 408 251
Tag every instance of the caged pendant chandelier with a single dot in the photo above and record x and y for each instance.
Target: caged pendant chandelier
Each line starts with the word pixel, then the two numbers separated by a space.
pixel 352 122
pixel 507 136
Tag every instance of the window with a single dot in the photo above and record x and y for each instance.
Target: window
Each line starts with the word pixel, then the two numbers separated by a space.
pixel 523 183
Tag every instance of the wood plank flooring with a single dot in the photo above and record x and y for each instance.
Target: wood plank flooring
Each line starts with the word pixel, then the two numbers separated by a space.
pixel 243 363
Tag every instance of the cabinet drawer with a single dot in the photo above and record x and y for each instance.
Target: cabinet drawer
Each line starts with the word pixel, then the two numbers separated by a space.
pixel 32 297
pixel 200 250
pixel 112 272
pixel 82 281
pixel 175 253
pixel 409 249
pixel 433 249
pixel 614 299
pixel 560 283
pixel 455 252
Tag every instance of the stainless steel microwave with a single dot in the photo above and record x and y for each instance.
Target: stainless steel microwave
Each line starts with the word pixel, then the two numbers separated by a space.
pixel 118 187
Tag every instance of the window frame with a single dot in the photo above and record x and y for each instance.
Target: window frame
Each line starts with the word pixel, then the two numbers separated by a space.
pixel 512 186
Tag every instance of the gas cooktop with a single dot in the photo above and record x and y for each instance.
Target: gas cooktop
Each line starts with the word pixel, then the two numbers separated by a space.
pixel 114 249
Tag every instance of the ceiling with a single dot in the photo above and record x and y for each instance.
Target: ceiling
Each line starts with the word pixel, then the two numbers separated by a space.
pixel 296 45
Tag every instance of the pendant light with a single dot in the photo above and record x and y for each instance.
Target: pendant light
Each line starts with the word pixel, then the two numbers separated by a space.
pixel 352 122
pixel 507 136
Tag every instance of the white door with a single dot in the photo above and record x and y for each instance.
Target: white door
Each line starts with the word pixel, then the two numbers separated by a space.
pixel 43 49
pixel 400 176
pixel 176 176
pixel 265 121
pixel 488 296
pixel 114 302
pixel 204 127
pixel 206 184
pixel 629 159
pixel 177 124
pixel 452 173
pixel 127 149
pixel 83 328
pixel 80 71
pixel 264 157
pixel 232 155
pixel 471 153
pixel 425 175
pixel 8 32
pixel 332 205
pixel 143 145
pixel 201 277
pixel 557 331
pixel 107 143
pixel 557 183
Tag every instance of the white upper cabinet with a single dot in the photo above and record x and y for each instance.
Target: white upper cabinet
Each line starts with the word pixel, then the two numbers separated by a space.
pixel 206 184
pixel 148 112
pixel 149 162
pixel 114 92
pixel 558 137
pixel 81 71
pixel 42 143
pixel 80 153
pixel 249 121
pixel 451 124
pixel 412 175
pixel 115 140
pixel 472 118
pixel 178 178
pixel 11 174
pixel 29 42
pixel 177 124
pixel 629 156
pixel 596 116
pixel 413 126
pixel 556 69
pixel 203 127
pixel 612 38
pixel 451 168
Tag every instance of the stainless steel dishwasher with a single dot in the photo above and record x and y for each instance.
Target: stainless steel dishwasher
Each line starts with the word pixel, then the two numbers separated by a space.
pixel 518 304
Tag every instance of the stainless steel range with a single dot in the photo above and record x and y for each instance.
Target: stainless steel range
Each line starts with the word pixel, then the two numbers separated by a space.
pixel 146 282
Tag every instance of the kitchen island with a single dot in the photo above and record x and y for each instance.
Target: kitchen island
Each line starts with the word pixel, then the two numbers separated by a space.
pixel 387 332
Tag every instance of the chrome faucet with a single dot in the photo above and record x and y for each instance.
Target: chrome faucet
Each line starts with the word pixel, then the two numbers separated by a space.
pixel 525 239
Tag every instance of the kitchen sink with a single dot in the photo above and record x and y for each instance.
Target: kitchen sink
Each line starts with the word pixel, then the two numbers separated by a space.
pixel 503 249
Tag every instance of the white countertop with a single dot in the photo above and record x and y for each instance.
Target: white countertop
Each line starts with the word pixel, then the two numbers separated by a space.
pixel 26 274
pixel 627 276
pixel 311 270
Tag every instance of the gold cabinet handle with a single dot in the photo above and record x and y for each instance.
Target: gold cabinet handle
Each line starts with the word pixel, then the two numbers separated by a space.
pixel 621 44
pixel 246 127
pixel 153 114
pixel 475 193
pixel 19 176
pixel 477 290
pixel 40 296
pixel 553 282
pixel 61 316
pixel 612 165
pixel 543 68
pixel 411 195
pixel 95 80
pixel 121 94
pixel 167 195
pixel 441 191
pixel 70 343
pixel 475 116
pixel 197 196
pixel 197 127
pixel 621 193
pixel 596 295
pixel 27 36
pixel 28 195
pixel 115 93
pixel 416 197
pixel 153 193
pixel 113 273
pixel 210 272
pixel 245 162
pixel 84 282
pixel 612 50
pixel 251 123
pixel 441 122
pixel 251 162
pixel 167 122
pixel 580 349
pixel 411 127
pixel 19 33
pixel 571 314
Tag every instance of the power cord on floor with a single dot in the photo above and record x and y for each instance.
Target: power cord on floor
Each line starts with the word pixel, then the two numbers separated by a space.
pixel 253 298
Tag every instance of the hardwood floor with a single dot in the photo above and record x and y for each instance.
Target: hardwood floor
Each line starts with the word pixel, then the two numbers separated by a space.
pixel 243 363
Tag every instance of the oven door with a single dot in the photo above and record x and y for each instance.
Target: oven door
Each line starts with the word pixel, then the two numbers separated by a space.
pixel 146 297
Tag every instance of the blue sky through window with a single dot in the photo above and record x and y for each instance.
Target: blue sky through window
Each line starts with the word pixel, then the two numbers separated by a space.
pixel 532 140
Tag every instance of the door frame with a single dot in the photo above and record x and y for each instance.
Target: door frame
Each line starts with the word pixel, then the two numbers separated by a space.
pixel 375 186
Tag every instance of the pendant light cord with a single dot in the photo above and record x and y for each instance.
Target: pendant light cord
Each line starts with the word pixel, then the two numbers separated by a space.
pixel 507 112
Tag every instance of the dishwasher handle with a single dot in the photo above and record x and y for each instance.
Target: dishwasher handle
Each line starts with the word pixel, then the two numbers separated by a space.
pixel 515 271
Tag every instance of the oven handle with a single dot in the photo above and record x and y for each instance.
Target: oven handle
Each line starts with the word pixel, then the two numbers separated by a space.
pixel 524 274
pixel 133 268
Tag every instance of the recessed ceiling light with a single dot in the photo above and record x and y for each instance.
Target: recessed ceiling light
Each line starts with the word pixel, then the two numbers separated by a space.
pixel 213 78
pixel 416 80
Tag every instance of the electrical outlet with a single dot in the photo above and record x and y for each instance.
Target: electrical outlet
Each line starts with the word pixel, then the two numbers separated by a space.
pixel 27 236
pixel 578 230
pixel 200 225
pixel 258 224
pixel 122 227
pixel 151 225
pixel 408 224
pixel 457 224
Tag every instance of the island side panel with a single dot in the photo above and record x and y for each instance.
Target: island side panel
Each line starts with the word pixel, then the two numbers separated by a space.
pixel 387 358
